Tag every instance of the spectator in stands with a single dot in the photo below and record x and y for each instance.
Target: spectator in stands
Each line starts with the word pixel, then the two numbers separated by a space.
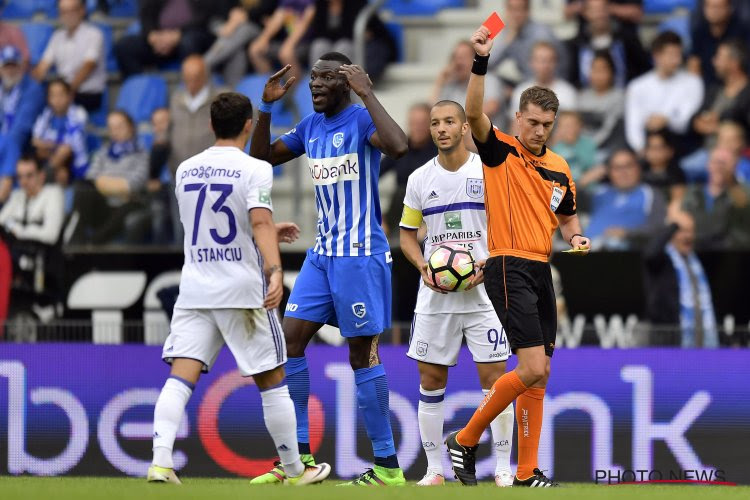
pixel 59 134
pixel 721 208
pixel 729 98
pixel 158 193
pixel 170 29
pixel 34 211
pixel 114 187
pixel 294 16
pixel 660 168
pixel 579 150
pixel 665 97
pixel 628 13
pixel 544 68
pixel 421 150
pixel 10 34
pixel 241 22
pixel 677 289
pixel 626 213
pixel 76 51
pixel 731 136
pixel 602 105
pixel 21 100
pixel 332 30
pixel 602 32
pixel 716 25
pixel 516 41
pixel 453 80
pixel 189 112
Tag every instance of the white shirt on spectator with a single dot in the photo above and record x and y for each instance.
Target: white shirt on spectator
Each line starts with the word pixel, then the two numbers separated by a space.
pixel 565 92
pixel 69 52
pixel 43 217
pixel 456 91
pixel 677 98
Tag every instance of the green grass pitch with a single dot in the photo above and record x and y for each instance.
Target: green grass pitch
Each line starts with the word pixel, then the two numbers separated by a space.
pixel 77 488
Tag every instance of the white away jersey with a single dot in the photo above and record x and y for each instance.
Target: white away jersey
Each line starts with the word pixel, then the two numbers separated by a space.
pixel 223 267
pixel 452 206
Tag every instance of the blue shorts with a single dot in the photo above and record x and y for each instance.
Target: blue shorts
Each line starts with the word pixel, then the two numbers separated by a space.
pixel 352 293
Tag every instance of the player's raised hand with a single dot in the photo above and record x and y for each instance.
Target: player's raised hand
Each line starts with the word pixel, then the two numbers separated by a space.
pixel 275 290
pixel 428 281
pixel 481 41
pixel 478 278
pixel 358 79
pixel 274 90
pixel 288 232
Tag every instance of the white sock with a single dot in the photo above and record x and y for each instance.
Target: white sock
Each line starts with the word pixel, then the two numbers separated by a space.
pixel 431 418
pixel 281 422
pixel 167 416
pixel 502 437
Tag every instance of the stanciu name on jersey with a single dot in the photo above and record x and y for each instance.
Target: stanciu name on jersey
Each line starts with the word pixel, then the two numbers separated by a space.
pixel 203 172
pixel 224 254
pixel 326 171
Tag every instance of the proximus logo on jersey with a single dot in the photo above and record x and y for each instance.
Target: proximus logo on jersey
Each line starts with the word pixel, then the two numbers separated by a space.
pixel 326 171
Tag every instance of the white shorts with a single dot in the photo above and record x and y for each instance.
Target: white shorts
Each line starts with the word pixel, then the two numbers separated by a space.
pixel 254 337
pixel 436 338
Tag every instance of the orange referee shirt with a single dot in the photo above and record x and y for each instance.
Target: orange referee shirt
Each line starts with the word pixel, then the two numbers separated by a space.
pixel 522 194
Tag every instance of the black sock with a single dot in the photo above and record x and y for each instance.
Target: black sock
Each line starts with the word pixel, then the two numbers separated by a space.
pixel 389 462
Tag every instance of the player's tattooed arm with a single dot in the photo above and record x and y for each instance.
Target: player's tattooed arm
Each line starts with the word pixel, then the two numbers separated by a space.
pixel 388 138
pixel 374 358
pixel 261 147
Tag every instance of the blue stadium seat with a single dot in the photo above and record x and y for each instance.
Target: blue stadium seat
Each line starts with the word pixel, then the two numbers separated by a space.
pixel 397 33
pixel 48 7
pixel 99 117
pixel 303 98
pixel 666 6
pixel 420 7
pixel 37 35
pixel 93 142
pixel 681 26
pixel 140 95
pixel 252 87
pixel 109 52
pixel 18 9
pixel 123 8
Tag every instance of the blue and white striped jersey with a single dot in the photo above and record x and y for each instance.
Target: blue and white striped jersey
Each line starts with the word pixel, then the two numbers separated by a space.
pixel 344 167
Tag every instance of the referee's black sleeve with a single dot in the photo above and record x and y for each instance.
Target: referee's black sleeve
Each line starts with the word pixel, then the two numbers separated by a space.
pixel 492 151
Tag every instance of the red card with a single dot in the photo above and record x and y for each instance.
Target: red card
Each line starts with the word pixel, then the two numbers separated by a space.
pixel 494 24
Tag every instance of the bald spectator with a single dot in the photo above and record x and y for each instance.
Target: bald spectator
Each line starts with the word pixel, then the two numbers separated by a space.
pixel 628 212
pixel 544 69
pixel 665 97
pixel 21 100
pixel 602 32
pixel 721 207
pixel 516 41
pixel 453 80
pixel 716 24
pixel 76 51
pixel 10 34
pixel 729 97
pixel 170 29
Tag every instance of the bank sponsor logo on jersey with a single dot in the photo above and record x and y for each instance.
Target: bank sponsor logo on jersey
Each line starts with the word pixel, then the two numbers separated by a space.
pixel 474 188
pixel 338 139
pixel 557 196
pixel 325 171
pixel 453 220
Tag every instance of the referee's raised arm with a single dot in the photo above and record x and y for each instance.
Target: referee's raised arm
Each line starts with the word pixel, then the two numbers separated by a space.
pixel 478 121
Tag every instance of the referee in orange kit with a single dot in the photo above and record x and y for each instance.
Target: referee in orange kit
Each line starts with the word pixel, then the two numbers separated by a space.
pixel 529 191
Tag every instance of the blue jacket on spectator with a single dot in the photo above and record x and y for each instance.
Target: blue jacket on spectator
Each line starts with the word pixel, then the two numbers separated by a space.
pixel 69 129
pixel 20 107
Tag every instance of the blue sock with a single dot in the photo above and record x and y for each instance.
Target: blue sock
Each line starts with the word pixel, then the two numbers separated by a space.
pixel 298 380
pixel 372 398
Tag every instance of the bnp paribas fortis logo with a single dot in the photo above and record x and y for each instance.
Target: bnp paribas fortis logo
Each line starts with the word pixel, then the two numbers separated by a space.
pixel 453 220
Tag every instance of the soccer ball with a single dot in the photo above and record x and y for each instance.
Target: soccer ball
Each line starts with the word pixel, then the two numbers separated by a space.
pixel 451 267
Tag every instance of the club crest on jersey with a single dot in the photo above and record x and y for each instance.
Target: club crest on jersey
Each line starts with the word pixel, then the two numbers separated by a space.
pixel 338 139
pixel 474 188
pixel 422 348
pixel 557 196
pixel 358 308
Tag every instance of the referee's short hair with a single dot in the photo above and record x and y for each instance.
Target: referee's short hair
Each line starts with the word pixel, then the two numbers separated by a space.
pixel 229 112
pixel 539 96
